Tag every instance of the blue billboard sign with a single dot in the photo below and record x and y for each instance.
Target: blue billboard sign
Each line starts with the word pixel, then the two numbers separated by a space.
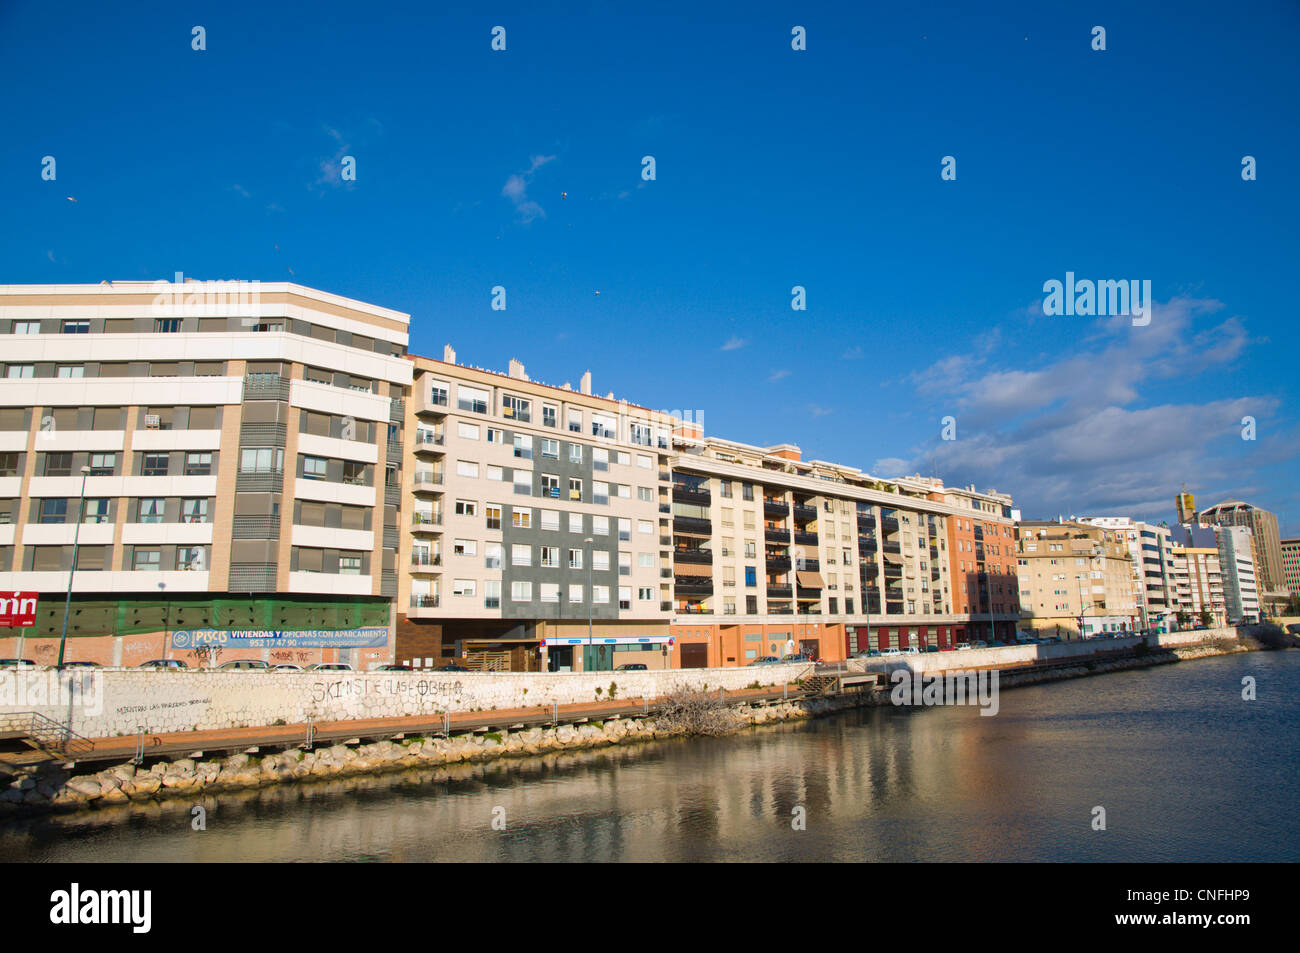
pixel 280 638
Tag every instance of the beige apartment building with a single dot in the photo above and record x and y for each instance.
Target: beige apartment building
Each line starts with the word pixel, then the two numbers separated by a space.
pixel 1077 580
pixel 213 454
pixel 1198 585
pixel 1266 553
pixel 537 536
pixel 1290 549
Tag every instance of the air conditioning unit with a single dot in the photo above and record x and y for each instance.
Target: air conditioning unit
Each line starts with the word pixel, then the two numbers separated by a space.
pixel 152 421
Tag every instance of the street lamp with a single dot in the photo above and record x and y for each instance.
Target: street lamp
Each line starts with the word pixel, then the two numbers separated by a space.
pixel 76 537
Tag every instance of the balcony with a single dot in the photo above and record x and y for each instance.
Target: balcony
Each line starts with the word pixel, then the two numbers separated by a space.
pixel 703 557
pixel 690 524
pixel 780 592
pixel 685 494
pixel 866 519
pixel 777 536
pixel 802 511
pixel 420 560
pixel 425 482
pixel 889 524
pixel 778 563
pixel 808 565
pixel 780 610
pixel 693 608
pixel 692 586
pixel 777 508
pixel 426 441
pixel 807 592
pixel 426 522
pixel 424 602
pixel 805 539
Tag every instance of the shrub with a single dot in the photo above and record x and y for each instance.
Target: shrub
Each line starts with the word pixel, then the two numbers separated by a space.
pixel 697 713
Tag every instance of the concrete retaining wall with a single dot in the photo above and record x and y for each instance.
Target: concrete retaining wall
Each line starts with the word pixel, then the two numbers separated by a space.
pixel 113 702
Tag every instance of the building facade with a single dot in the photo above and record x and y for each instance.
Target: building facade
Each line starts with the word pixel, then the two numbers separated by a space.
pixel 1077 580
pixel 1266 546
pixel 1151 548
pixel 1290 549
pixel 195 458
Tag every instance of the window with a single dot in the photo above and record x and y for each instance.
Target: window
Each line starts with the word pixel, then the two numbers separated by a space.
pixel 624 597
pixel 27 327
pixel 575 453
pixel 194 511
pixel 467 431
pixel 493 555
pixel 467 468
pixel 645 527
pixel 549 591
pixel 76 327
pixel 550 557
pixel 147 560
pixel 551 520
pixel 645 560
pixel 496 473
pixel 575 488
pixel 54 511
pixel 599 459
pixel 624 530
pixel 751 577
pixel 198 464
pixel 600 493
pixel 103 464
pixel 261 460
pixel 645 494
pixel 550 416
pixel 466 508
pixel 314 468
pixel 151 510
pixel 523 446
pixel 644 462
pixel 724 489
pixel 575 592
pixel 521 519
pixel 523 482
pixel 8 464
pixel 20 370
pixel 472 399
pixel 603 425
pixel 600 525
pixel 625 564
pixel 463 587
pixel 575 522
pixel 575 559
pixel 600 594
pixel 496 436
pixel 438 394
pixel 58 464
pixel 68 371
pixel 464 547
pixel 521 591
pixel 493 516
pixel 96 511
pixel 747 491
pixel 550 485
pixel 550 448
pixel 167 325
pixel 521 554
pixel 191 558
pixel 516 408
pixel 646 594
pixel 600 560
pixel 492 594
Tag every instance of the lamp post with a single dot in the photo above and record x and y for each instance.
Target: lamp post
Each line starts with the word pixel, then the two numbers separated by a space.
pixel 590 597
pixel 76 537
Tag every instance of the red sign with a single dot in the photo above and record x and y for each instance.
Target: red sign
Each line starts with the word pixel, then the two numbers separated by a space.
pixel 18 609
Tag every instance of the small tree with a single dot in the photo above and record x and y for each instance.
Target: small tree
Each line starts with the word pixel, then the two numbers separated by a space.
pixel 1207 618
pixel 1184 618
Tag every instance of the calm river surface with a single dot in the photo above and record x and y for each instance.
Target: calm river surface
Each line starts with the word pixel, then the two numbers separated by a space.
pixel 1185 769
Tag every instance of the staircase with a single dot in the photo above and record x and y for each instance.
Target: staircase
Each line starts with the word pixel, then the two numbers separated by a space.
pixel 47 735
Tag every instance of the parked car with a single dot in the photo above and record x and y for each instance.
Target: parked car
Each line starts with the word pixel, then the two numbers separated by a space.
pixel 394 668
pixel 947 648
pixel 82 665
pixel 453 667
pixel 172 663
pixel 286 667
pixel 797 657
pixel 16 663
pixel 245 664
pixel 884 652
pixel 329 667
pixel 911 650
pixel 766 660
pixel 964 647
pixel 632 667
pixel 1052 640
pixel 979 644
pixel 1199 628
pixel 931 648
pixel 867 653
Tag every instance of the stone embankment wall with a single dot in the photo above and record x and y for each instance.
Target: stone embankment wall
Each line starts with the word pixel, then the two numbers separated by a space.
pixel 115 702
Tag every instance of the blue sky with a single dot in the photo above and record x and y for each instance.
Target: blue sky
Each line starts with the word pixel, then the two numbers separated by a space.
pixel 775 168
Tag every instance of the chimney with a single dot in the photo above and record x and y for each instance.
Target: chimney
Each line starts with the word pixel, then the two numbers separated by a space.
pixel 567 386
pixel 517 370
pixel 448 354
pixel 584 385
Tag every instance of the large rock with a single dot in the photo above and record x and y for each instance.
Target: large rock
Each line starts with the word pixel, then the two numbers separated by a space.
pixel 85 787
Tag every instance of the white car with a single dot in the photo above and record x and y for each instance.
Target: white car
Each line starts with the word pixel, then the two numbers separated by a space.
pixel 330 667
pixel 964 647
pixel 884 652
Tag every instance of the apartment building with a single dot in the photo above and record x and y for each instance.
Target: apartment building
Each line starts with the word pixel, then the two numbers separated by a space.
pixel 1076 579
pixel 538 514
pixel 1290 549
pixel 772 553
pixel 1198 584
pixel 1237 584
pixel 1266 546
pixel 984 561
pixel 201 462
pixel 1151 548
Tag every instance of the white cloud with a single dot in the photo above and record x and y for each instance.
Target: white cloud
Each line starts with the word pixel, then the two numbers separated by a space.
pixel 734 343
pixel 516 190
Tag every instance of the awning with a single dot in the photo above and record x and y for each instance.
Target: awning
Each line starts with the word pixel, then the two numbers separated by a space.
pixel 810 580
pixel 893 558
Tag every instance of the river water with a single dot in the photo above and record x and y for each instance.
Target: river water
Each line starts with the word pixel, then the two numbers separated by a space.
pixel 1185 769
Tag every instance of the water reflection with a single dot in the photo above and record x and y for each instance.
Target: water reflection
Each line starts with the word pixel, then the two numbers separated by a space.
pixel 1174 755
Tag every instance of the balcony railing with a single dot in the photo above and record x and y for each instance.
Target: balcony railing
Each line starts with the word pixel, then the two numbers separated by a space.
pixel 691 524
pixel 684 494
pixel 805 539
pixel 692 586
pixel 699 556
pixel 804 511
pixel 778 563
pixel 779 592
pixel 424 602
pixel 422 478
pixel 777 508
pixel 425 519
pixel 777 535
pixel 426 559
